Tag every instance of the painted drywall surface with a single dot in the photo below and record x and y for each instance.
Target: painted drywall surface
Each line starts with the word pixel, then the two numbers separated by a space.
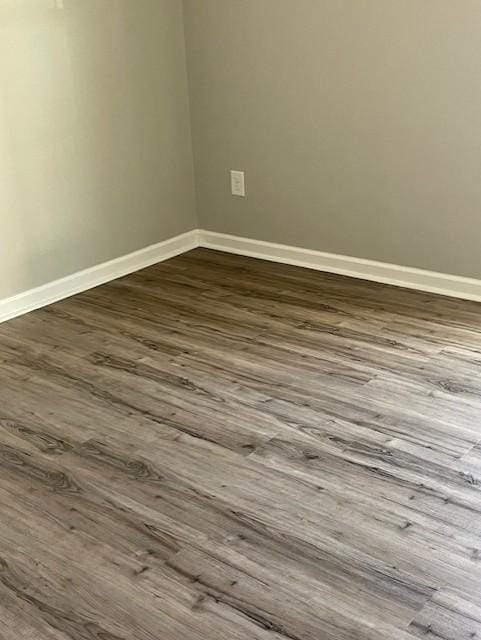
pixel 95 147
pixel 358 123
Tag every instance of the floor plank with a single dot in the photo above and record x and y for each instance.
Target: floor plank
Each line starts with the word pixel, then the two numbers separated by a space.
pixel 222 447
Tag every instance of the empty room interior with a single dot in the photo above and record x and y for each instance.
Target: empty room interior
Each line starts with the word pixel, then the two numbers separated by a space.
pixel 240 320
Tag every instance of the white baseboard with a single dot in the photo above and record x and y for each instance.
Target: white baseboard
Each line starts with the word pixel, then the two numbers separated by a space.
pixel 94 276
pixel 430 281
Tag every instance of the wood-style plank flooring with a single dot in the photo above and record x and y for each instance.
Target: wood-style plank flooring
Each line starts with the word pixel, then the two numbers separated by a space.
pixel 220 448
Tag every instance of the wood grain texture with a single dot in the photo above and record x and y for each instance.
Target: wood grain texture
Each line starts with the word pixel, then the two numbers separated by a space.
pixel 219 447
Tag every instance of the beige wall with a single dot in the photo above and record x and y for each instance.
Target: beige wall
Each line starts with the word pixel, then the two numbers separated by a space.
pixel 358 123
pixel 95 148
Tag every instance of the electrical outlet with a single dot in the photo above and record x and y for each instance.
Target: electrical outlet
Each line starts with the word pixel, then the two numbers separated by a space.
pixel 237 183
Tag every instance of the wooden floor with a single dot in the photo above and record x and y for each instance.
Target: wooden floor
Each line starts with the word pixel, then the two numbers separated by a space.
pixel 220 448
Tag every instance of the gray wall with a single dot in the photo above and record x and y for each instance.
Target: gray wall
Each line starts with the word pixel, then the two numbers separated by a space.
pixel 358 123
pixel 95 146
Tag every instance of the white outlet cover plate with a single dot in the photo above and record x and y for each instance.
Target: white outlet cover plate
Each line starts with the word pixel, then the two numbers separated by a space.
pixel 237 183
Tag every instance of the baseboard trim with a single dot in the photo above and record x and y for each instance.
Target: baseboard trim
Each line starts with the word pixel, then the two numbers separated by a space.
pixel 99 274
pixel 408 277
